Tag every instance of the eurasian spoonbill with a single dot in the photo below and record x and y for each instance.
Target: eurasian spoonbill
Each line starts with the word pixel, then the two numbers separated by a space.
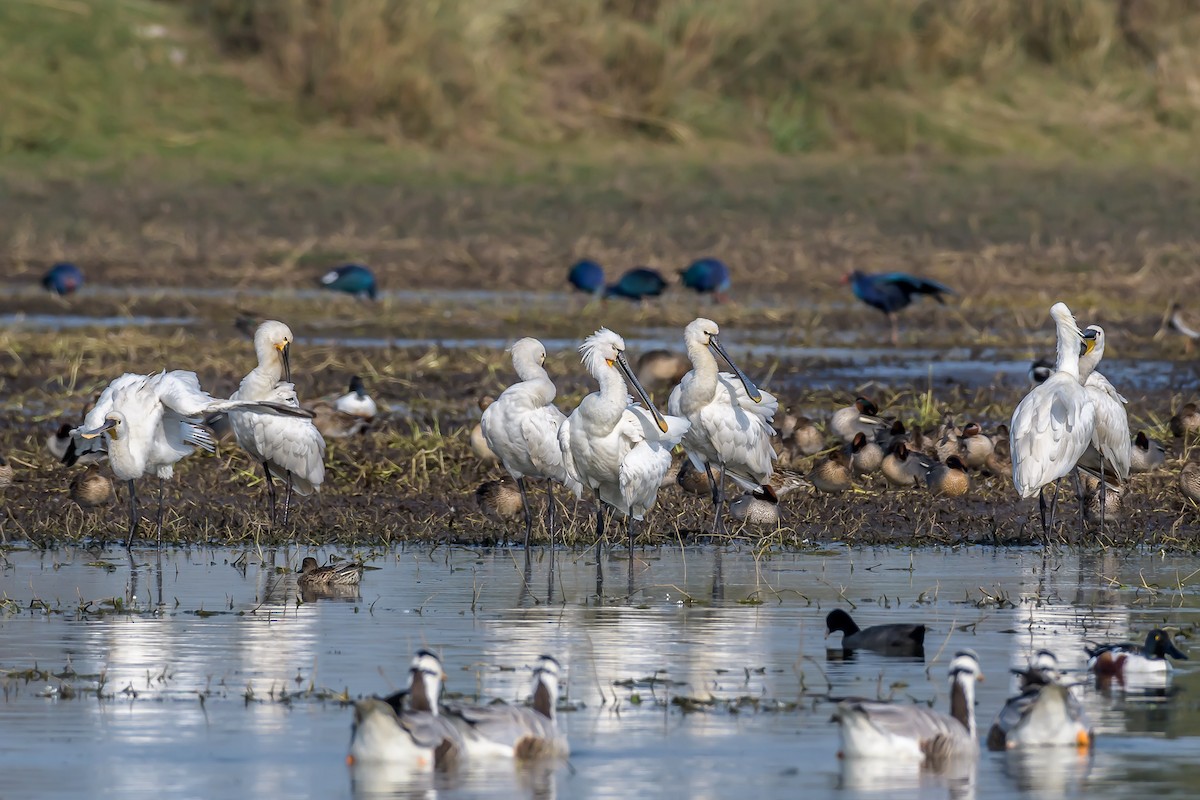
pixel 729 418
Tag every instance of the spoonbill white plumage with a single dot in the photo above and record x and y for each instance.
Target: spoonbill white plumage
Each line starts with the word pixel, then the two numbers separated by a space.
pixel 729 418
pixel 611 446
pixel 1054 424
pixel 289 448
pixel 1111 451
pixel 521 427
pixel 150 422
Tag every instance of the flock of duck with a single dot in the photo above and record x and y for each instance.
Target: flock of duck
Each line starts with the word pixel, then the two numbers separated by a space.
pixel 415 730
pixel 1046 711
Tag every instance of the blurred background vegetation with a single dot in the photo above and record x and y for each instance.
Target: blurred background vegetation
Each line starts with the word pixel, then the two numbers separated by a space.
pixel 241 79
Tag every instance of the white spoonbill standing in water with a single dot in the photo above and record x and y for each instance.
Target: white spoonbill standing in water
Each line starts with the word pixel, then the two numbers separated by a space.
pixel 1053 425
pixel 291 449
pixel 521 427
pixel 730 419
pixel 617 449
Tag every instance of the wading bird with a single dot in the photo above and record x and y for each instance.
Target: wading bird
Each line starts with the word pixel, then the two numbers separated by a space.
pixel 587 276
pixel 1054 424
pixel 892 291
pixel 289 448
pixel 63 278
pixel 914 733
pixel 730 418
pixel 707 276
pixel 618 450
pixel 500 730
pixel 1111 451
pixel 150 422
pixel 353 279
pixel 522 426
pixel 638 284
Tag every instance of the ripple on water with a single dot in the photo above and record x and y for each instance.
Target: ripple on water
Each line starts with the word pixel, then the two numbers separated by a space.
pixel 696 674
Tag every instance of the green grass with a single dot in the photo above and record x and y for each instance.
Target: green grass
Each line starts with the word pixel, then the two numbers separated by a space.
pixel 234 88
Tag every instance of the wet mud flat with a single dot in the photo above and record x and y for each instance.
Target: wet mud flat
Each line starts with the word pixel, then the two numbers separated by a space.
pixel 413 475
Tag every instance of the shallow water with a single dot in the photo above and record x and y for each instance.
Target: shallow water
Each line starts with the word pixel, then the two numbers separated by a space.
pixel 215 677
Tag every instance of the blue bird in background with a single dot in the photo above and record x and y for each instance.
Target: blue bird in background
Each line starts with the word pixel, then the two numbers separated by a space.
pixel 63 278
pixel 352 279
pixel 587 276
pixel 638 284
pixel 707 276
pixel 892 291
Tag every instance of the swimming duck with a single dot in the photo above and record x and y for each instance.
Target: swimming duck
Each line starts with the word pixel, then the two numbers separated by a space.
pixel 892 291
pixel 915 733
pixel 357 401
pixel 832 473
pixel 638 284
pixel 500 499
pixel 348 573
pixel 1120 659
pixel 866 457
pixel 418 737
pixel 90 489
pixel 904 468
pixel 1189 481
pixel 892 639
pixel 1045 713
pixel 63 278
pixel 587 276
pixel 949 479
pixel 353 279
pixel 1186 422
pixel 707 276
pixel 501 730
pixel 1147 454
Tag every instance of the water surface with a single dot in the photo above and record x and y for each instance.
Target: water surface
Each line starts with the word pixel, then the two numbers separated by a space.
pixel 696 674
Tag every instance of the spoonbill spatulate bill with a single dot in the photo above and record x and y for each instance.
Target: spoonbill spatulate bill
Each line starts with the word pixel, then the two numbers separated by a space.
pixel 150 422
pixel 289 448
pixel 729 418
pixel 618 450
pixel 521 427
pixel 1054 424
